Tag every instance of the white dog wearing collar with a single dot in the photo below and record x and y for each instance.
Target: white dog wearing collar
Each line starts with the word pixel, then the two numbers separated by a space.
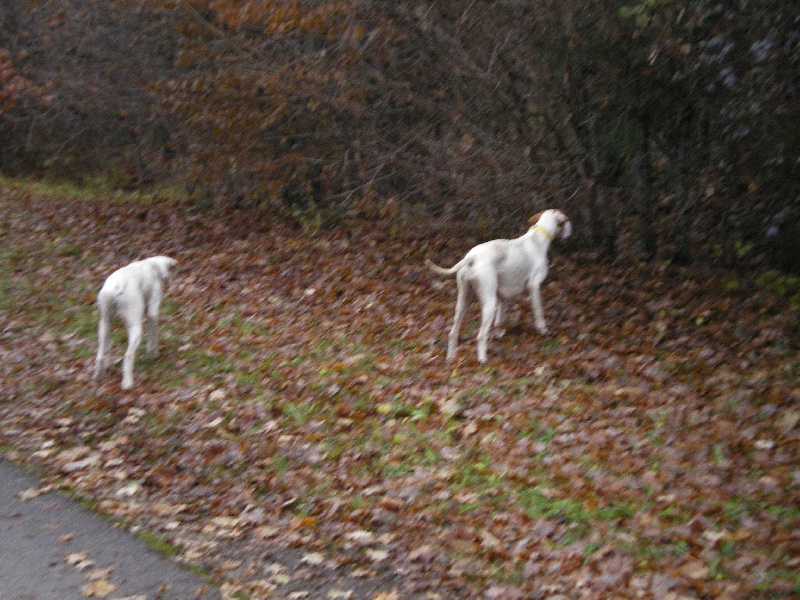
pixel 501 269
pixel 133 292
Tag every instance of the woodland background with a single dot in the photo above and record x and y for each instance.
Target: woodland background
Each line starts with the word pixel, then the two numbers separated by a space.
pixel 663 127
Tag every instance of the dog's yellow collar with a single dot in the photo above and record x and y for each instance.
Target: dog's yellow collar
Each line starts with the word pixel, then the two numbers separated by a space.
pixel 546 233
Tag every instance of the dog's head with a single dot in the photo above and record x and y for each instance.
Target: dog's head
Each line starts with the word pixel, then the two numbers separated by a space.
pixel 163 264
pixel 554 221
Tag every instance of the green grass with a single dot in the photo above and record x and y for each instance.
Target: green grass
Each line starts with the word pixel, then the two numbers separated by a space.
pixel 541 502
pixel 158 544
pixel 92 190
pixel 767 580
pixel 789 516
pixel 298 414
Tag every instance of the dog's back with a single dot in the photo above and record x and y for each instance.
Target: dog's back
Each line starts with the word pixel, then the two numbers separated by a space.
pixel 138 278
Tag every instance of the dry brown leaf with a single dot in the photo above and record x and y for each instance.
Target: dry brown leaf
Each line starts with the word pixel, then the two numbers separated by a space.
pixel 99 588
pixel 377 555
pixel 31 493
pixel 79 560
pixel 337 594
pixel 313 558
pixel 98 574
pixel 696 570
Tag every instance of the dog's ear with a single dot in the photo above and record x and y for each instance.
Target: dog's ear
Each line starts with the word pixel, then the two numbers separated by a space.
pixel 535 218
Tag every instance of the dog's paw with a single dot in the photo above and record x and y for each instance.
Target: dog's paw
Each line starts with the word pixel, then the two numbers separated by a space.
pixel 126 385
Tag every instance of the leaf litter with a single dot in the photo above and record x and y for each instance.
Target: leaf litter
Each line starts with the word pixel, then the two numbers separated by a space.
pixel 302 414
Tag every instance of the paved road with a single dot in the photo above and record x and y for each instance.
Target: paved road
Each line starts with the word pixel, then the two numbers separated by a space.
pixel 51 549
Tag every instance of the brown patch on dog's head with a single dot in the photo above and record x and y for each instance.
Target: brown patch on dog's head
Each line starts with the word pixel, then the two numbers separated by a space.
pixel 535 218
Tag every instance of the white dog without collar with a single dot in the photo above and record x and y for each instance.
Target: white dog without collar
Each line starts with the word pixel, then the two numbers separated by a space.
pixel 133 292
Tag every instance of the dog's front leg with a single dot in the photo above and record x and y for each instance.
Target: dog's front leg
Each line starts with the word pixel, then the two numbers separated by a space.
pixel 499 317
pixel 153 304
pixel 538 313
pixel 488 314
pixel 152 333
pixel 152 336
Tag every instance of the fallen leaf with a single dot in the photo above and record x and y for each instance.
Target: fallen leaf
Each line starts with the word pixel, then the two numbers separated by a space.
pixel 225 522
pixel 450 407
pixel 336 594
pixel 377 555
pixel 79 560
pixel 361 536
pixel 421 553
pixel 99 588
pixel 299 522
pixel 280 578
pixel 788 421
pixel 489 541
pixel 98 574
pixel 32 493
pixel 129 490
pixel 313 558
pixel 266 531
pixel 695 570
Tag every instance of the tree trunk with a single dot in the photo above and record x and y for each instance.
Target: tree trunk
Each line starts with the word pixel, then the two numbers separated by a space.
pixel 684 209
pixel 643 175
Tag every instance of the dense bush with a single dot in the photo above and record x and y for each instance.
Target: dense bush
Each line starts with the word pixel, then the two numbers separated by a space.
pixel 670 127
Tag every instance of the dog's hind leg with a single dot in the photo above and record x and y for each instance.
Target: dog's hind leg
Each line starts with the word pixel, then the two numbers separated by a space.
pixel 152 321
pixel 461 306
pixel 133 321
pixel 488 297
pixel 103 339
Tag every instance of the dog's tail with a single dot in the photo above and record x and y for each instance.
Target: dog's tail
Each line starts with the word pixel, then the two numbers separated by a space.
pixel 162 264
pixel 442 271
pixel 113 287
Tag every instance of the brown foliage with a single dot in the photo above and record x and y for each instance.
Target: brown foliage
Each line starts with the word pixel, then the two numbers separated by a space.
pixel 15 87
pixel 478 112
